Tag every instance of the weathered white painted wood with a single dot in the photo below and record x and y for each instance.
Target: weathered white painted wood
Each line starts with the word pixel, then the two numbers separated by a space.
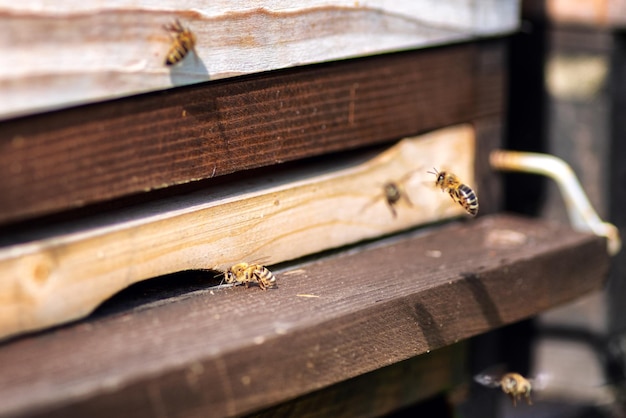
pixel 56 54
pixel 63 277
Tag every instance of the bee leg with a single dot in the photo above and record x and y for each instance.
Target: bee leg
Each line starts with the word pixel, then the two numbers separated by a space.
pixel 406 198
pixel 513 398
pixel 392 209
pixel 528 400
pixel 370 203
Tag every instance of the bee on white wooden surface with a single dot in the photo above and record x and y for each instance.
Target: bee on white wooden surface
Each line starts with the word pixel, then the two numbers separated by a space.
pixel 393 193
pixel 244 273
pixel 514 385
pixel 183 41
pixel 459 192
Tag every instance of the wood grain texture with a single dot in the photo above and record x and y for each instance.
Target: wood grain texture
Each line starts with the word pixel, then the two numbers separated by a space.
pixel 90 154
pixel 234 351
pixel 382 391
pixel 267 220
pixel 67 53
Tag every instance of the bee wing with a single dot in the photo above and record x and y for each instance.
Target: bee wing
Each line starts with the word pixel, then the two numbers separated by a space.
pixel 263 261
pixel 491 376
pixel 541 381
pixel 489 380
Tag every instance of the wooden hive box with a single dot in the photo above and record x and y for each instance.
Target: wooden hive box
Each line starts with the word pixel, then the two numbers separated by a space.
pixel 274 147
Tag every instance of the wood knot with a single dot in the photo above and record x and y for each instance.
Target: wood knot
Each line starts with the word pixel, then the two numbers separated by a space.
pixel 41 272
pixel 38 268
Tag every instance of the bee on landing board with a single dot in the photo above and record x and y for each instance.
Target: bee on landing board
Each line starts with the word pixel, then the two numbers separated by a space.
pixel 459 192
pixel 513 384
pixel 244 273
pixel 183 41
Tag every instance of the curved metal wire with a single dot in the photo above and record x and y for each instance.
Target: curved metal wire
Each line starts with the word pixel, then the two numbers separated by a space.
pixel 581 214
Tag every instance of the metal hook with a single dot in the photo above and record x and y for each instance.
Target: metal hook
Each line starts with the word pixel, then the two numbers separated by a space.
pixel 582 215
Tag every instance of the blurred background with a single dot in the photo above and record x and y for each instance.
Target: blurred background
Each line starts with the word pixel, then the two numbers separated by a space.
pixel 567 98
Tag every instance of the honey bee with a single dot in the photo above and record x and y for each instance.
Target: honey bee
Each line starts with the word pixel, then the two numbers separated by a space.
pixel 246 273
pixel 393 193
pixel 183 41
pixel 459 192
pixel 513 384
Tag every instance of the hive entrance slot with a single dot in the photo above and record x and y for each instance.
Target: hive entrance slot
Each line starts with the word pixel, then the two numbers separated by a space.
pixel 159 290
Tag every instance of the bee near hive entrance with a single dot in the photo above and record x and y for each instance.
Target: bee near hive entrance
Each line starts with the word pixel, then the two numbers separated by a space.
pixel 458 191
pixel 393 194
pixel 512 384
pixel 244 273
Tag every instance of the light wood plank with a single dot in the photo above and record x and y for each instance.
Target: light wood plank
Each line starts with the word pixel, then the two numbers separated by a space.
pixel 63 277
pixel 68 53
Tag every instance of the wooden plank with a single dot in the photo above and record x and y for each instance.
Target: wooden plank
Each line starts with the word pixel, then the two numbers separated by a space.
pixel 65 276
pixel 593 13
pixel 66 54
pixel 234 351
pixel 82 156
pixel 581 11
pixel 383 391
pixel 579 39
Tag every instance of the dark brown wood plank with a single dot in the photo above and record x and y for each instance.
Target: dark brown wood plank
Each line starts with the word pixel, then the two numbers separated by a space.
pixel 384 390
pixel 67 159
pixel 492 81
pixel 488 185
pixel 234 351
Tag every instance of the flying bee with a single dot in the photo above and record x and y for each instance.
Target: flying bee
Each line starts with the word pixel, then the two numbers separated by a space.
pixel 244 273
pixel 459 192
pixel 513 384
pixel 393 193
pixel 183 41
